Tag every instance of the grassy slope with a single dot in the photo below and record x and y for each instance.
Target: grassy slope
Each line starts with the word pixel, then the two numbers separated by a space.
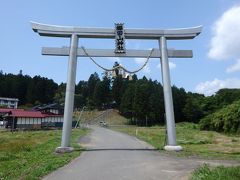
pixel 114 118
pixel 87 115
pixel 111 117
pixel 205 144
pixel 30 154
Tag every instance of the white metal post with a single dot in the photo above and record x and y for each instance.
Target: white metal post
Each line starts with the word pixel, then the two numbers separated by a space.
pixel 69 97
pixel 168 101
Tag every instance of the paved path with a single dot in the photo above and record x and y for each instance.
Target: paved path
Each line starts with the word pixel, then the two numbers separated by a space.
pixel 115 156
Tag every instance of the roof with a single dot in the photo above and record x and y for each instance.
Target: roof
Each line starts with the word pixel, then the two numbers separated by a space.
pixel 31 114
pixel 48 106
pixel 23 113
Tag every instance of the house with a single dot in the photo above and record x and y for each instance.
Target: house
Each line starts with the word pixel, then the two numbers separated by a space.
pixel 25 119
pixel 54 109
pixel 9 102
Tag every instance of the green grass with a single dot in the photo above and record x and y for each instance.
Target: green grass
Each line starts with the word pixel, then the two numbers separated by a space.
pixel 220 173
pixel 30 154
pixel 196 143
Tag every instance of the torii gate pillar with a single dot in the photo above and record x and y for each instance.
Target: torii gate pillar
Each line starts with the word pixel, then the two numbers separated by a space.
pixel 168 102
pixel 69 97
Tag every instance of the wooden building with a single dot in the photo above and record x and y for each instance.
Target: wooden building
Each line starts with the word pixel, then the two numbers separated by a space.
pixel 54 108
pixel 23 119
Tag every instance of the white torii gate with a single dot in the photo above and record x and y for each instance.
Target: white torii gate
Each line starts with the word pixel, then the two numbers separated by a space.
pixel 74 33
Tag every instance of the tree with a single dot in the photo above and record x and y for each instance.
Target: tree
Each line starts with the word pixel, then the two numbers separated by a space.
pixel 59 96
pixel 92 81
pixel 106 83
pixel 141 95
pixel 79 101
pixel 101 93
pixel 226 119
pixel 193 109
pixel 156 104
pixel 22 87
pixel 43 90
pixel 117 89
pixel 81 93
pixel 179 101
pixel 126 106
pixel 221 99
pixel 227 96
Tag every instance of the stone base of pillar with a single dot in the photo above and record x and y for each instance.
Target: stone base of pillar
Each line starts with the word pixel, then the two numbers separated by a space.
pixel 62 150
pixel 173 148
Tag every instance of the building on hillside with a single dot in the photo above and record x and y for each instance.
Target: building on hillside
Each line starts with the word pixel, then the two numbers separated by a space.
pixel 21 119
pixel 9 102
pixel 54 109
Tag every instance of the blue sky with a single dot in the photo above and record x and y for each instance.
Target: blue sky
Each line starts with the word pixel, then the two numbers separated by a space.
pixel 216 61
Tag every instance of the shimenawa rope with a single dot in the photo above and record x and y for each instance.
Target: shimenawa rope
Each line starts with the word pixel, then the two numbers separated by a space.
pixel 112 69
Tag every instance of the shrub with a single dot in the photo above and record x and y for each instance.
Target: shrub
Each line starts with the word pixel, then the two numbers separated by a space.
pixel 220 173
pixel 225 120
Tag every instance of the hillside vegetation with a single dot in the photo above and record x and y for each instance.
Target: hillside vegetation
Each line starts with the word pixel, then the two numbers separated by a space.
pixel 226 119
pixel 138 100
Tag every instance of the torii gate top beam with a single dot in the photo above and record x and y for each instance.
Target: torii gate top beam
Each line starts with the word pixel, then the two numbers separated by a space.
pixel 67 31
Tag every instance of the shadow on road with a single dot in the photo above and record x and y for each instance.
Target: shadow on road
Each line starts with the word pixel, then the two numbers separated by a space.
pixel 116 149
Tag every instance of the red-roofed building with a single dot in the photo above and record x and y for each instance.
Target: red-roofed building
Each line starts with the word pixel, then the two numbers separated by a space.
pixel 29 114
pixel 22 119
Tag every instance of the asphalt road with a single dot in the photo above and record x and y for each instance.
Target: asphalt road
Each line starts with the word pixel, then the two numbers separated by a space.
pixel 112 155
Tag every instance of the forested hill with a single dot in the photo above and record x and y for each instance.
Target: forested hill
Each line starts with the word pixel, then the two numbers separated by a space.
pixel 28 90
pixel 140 100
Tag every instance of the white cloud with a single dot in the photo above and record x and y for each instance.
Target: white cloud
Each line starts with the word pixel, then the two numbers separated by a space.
pixel 141 61
pixel 225 42
pixel 211 87
pixel 146 69
pixel 234 68
pixel 171 65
